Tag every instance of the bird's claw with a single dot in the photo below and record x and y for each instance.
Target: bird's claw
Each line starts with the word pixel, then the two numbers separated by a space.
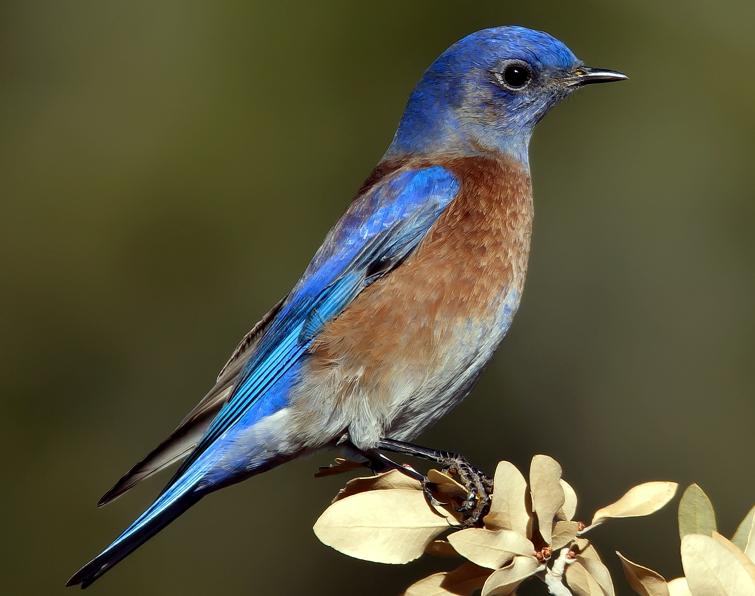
pixel 434 503
pixel 478 486
pixel 470 502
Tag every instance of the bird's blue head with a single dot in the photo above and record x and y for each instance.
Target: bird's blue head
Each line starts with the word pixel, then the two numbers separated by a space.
pixel 487 91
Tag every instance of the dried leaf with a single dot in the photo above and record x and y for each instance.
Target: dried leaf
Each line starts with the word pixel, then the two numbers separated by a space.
pixel 385 526
pixel 505 581
pixel 678 587
pixel 696 515
pixel 490 548
pixel 643 499
pixel 734 550
pixel 547 493
pixel 591 561
pixel 431 585
pixel 564 532
pixel 569 508
pixel 581 544
pixel 643 580
pixel 508 509
pixel 446 485
pixel 382 481
pixel 711 569
pixel 744 537
pixel 581 582
pixel 441 548
pixel 339 466
pixel 462 581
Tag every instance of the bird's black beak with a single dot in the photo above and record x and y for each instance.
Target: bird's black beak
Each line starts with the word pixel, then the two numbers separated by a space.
pixel 585 75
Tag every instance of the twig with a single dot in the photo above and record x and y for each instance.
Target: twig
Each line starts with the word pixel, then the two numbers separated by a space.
pixel 554 575
pixel 585 530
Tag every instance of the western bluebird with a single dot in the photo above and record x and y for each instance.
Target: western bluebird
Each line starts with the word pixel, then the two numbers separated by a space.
pixel 404 303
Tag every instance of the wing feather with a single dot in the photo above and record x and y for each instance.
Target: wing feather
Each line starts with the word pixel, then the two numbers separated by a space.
pixel 377 233
pixel 190 430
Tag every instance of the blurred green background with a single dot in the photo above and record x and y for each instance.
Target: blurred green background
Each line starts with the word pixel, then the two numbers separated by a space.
pixel 167 169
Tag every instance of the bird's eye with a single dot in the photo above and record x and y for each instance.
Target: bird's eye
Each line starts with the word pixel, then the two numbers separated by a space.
pixel 515 76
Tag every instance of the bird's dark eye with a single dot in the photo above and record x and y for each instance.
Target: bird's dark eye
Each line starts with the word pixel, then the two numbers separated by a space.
pixel 516 75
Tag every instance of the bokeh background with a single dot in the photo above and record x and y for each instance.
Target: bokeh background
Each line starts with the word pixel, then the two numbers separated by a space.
pixel 167 168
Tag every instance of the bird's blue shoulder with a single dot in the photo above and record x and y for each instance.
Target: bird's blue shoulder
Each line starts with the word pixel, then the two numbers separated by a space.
pixel 412 196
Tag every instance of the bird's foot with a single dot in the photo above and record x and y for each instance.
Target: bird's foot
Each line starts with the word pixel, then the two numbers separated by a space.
pixel 478 486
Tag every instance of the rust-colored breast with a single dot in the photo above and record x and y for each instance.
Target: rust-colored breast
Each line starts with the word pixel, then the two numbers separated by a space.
pixel 475 252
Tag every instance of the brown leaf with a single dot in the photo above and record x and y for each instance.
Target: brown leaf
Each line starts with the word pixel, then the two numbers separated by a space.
pixel 547 493
pixel 462 581
pixel 490 548
pixel 581 582
pixel 643 499
pixel 441 548
pixel 386 526
pixel 508 509
pixel 382 481
pixel 446 486
pixel 643 580
pixel 581 544
pixel 696 515
pixel 591 561
pixel 564 532
pixel 505 581
pixel 569 508
pixel 711 569
pixel 744 537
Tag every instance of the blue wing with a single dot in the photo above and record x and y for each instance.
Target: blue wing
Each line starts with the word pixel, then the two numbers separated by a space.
pixel 380 229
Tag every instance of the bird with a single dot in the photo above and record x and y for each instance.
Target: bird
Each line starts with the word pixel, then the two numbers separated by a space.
pixel 404 303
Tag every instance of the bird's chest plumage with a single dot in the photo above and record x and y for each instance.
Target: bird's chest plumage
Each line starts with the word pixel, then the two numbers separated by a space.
pixel 411 345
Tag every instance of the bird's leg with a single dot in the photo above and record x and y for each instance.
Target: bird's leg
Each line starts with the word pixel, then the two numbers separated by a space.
pixel 479 487
pixel 388 463
pixel 379 462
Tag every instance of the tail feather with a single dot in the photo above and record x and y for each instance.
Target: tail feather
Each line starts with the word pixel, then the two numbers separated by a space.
pixel 177 446
pixel 167 507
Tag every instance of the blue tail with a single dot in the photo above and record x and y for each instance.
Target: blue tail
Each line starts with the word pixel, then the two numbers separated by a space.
pixel 168 506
